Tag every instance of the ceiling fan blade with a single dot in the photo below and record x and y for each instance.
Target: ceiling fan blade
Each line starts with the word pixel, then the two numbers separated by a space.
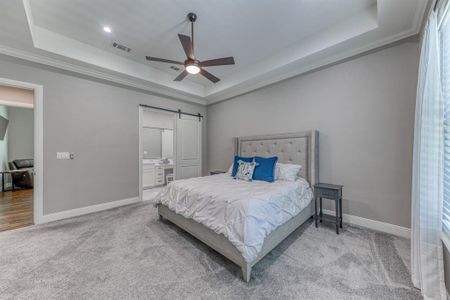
pixel 218 62
pixel 151 58
pixel 181 76
pixel 209 76
pixel 187 45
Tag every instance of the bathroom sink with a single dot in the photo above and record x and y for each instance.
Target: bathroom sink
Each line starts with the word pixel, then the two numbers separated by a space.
pixel 157 162
pixel 150 161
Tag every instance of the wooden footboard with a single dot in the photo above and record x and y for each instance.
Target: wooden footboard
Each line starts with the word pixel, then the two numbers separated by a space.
pixel 222 245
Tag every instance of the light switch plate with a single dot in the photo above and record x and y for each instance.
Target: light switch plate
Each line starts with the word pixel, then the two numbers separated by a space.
pixel 62 155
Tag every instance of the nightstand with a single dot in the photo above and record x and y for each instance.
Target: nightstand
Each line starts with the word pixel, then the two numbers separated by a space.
pixel 216 172
pixel 332 192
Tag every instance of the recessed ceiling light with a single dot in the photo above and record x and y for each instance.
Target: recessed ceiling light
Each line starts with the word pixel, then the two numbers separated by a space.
pixel 107 29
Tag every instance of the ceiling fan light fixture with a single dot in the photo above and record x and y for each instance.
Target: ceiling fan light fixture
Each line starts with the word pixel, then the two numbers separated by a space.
pixel 192 69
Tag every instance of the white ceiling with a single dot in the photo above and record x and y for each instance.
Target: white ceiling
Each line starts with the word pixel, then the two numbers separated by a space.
pixel 222 28
pixel 270 40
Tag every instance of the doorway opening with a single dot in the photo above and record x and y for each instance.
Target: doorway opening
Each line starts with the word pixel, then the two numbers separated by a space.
pixel 38 99
pixel 157 140
pixel 170 148
pixel 16 157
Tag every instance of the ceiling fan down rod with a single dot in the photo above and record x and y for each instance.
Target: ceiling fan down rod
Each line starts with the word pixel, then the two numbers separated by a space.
pixel 192 17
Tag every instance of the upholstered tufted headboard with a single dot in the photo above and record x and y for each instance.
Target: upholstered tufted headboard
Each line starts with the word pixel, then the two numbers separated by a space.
pixel 296 148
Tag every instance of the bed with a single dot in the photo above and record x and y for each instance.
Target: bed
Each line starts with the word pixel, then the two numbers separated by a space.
pixel 243 220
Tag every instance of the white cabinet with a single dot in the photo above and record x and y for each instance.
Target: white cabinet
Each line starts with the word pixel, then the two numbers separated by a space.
pixel 153 175
pixel 159 175
pixel 148 176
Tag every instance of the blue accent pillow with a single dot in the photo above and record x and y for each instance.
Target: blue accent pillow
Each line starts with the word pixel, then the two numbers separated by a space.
pixel 236 164
pixel 265 168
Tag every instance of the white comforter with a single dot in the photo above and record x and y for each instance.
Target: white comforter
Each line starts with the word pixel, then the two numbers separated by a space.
pixel 244 212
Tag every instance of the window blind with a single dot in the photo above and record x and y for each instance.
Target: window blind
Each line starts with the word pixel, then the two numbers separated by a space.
pixel 445 77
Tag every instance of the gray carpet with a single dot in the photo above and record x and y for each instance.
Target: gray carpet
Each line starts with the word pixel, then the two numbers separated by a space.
pixel 126 253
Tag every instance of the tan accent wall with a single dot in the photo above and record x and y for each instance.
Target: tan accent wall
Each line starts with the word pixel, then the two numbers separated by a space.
pixel 12 96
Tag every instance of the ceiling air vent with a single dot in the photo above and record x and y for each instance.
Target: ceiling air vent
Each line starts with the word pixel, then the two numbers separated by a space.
pixel 121 47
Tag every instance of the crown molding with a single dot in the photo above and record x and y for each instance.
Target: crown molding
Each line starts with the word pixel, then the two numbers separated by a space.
pixel 44 60
pixel 288 72
pixel 149 81
pixel 41 37
pixel 208 100
pixel 301 70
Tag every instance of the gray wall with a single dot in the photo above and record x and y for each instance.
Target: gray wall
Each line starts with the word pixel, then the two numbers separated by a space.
pixel 20 133
pixel 364 110
pixel 99 123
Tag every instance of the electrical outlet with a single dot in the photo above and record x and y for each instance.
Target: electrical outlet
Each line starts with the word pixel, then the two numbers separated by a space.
pixel 62 155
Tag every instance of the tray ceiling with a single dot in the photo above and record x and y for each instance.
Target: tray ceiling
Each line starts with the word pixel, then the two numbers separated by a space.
pixel 270 40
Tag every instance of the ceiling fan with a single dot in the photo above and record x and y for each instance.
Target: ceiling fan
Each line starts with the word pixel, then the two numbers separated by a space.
pixel 191 64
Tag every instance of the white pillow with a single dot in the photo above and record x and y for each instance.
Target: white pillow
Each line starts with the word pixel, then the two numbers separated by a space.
pixel 230 170
pixel 287 172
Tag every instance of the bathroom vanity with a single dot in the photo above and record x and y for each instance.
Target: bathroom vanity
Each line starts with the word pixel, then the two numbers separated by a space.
pixel 155 172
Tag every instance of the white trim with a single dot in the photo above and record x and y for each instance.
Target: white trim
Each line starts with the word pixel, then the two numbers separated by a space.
pixel 38 193
pixel 88 210
pixel 291 71
pixel 146 200
pixel 30 19
pixel 372 224
pixel 39 154
pixel 40 59
pixel 209 95
pixel 141 153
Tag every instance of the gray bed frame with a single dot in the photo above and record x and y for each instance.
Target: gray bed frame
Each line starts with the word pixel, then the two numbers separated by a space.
pixel 296 148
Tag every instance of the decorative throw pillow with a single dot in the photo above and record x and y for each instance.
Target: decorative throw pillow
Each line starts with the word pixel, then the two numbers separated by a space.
pixel 287 172
pixel 245 170
pixel 230 170
pixel 265 168
pixel 236 165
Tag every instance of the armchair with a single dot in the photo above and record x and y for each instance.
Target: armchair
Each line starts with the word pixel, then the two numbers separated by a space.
pixel 22 179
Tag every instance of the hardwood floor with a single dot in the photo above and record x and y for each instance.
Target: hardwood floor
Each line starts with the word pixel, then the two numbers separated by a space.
pixel 16 209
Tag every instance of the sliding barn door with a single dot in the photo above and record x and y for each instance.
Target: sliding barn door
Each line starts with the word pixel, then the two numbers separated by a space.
pixel 188 159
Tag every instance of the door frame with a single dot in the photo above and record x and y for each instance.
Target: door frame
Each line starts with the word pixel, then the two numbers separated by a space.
pixel 141 152
pixel 38 189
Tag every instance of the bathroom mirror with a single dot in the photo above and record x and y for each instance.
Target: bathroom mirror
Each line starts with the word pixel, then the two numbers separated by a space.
pixel 157 143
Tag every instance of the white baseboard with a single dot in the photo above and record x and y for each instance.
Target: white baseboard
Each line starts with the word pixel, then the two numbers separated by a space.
pixel 355 220
pixel 87 210
pixel 372 224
